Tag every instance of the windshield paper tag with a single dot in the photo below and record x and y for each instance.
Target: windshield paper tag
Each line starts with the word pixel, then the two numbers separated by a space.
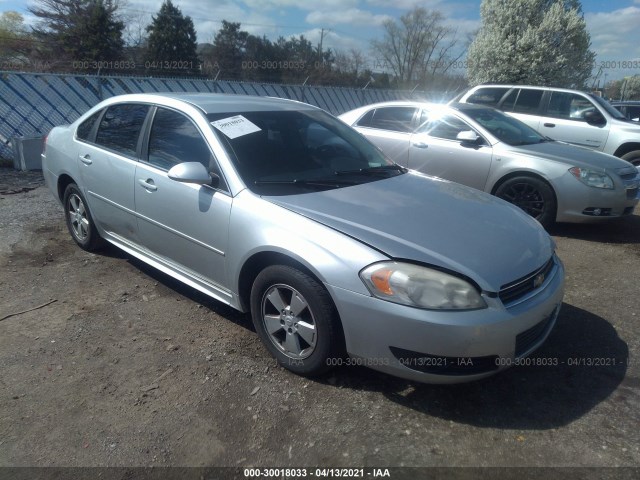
pixel 234 127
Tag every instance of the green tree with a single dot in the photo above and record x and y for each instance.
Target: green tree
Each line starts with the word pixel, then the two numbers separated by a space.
pixel 172 39
pixel 229 46
pixel 84 30
pixel 14 39
pixel 540 42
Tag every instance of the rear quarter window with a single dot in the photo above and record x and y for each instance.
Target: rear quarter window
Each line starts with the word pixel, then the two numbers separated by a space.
pixel 85 130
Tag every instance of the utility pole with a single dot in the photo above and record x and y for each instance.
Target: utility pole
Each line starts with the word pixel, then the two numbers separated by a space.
pixel 320 46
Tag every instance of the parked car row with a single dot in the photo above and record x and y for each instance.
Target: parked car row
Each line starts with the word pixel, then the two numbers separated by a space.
pixel 486 149
pixel 276 208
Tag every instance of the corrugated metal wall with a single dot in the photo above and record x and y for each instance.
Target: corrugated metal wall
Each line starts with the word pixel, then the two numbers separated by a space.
pixel 31 103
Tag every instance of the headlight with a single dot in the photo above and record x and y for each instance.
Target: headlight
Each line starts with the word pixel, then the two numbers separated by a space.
pixel 592 178
pixel 420 287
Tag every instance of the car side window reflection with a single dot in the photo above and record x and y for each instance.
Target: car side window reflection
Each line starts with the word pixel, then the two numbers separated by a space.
pixel 120 127
pixel 569 106
pixel 446 127
pixel 175 139
pixel 397 119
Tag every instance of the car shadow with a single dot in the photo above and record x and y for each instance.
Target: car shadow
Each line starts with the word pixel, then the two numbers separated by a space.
pixel 217 307
pixel 622 230
pixel 585 363
pixel 591 364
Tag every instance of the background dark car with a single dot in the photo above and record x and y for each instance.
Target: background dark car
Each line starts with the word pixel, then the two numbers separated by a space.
pixel 629 108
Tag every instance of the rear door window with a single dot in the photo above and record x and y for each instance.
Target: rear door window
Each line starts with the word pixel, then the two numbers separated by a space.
pixel 528 101
pixel 120 127
pixel 397 119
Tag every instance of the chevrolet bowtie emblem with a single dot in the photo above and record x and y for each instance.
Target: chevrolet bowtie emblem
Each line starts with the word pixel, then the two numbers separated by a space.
pixel 538 280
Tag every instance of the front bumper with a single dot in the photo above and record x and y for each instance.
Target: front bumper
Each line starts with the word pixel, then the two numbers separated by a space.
pixel 447 347
pixel 579 203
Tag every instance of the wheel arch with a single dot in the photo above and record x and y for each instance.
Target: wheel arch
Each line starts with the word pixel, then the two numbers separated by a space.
pixel 627 148
pixel 258 262
pixel 261 260
pixel 523 173
pixel 64 181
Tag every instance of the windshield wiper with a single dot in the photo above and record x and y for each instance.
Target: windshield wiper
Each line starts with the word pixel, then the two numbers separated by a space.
pixel 303 182
pixel 372 170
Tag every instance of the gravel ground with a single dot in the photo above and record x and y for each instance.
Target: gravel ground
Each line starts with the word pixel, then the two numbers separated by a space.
pixel 123 366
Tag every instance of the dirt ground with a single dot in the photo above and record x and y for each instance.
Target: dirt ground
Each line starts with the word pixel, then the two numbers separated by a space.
pixel 126 367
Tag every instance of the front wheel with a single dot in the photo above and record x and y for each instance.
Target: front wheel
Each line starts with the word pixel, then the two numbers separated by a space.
pixel 296 320
pixel 532 195
pixel 79 220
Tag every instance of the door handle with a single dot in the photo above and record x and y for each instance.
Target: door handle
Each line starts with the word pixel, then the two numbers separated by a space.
pixel 147 184
pixel 419 145
pixel 86 159
pixel 550 125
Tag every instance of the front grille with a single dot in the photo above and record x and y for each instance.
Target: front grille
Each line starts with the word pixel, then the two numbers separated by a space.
pixel 513 291
pixel 632 192
pixel 439 365
pixel 528 338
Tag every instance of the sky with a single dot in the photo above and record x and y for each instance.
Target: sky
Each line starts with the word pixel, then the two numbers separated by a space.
pixel 614 25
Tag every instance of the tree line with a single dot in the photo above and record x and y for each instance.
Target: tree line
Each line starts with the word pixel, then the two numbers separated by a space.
pixel 541 42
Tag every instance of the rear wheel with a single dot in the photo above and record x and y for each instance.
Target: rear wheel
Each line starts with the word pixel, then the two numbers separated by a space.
pixel 633 157
pixel 79 220
pixel 296 320
pixel 532 195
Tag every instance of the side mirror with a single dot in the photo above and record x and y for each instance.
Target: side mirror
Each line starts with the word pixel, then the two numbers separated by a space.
pixel 468 136
pixel 594 117
pixel 193 172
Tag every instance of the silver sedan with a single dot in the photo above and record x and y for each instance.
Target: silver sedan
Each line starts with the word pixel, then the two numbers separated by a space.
pixel 278 209
pixel 483 148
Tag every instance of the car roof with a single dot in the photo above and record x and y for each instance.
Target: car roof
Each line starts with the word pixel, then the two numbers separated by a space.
pixel 429 105
pixel 625 102
pixel 218 102
pixel 501 85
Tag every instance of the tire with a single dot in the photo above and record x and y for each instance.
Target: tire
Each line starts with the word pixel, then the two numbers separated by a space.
pixel 532 195
pixel 632 157
pixel 79 220
pixel 296 320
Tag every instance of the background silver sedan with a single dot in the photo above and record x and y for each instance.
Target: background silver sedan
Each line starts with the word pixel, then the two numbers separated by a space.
pixel 488 150
pixel 279 209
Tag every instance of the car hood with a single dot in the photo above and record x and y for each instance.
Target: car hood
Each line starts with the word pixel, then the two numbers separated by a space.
pixel 435 222
pixel 571 155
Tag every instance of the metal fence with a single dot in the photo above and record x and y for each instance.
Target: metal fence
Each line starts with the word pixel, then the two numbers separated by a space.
pixel 32 104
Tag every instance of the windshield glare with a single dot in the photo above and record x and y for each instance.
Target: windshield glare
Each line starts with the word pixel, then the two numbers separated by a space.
pixel 288 151
pixel 506 129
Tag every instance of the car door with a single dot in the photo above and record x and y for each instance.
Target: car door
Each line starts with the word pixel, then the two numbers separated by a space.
pixel 390 129
pixel 436 151
pixel 184 224
pixel 108 153
pixel 564 120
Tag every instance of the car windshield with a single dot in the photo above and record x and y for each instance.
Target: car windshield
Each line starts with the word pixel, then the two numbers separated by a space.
pixel 614 112
pixel 285 152
pixel 506 129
